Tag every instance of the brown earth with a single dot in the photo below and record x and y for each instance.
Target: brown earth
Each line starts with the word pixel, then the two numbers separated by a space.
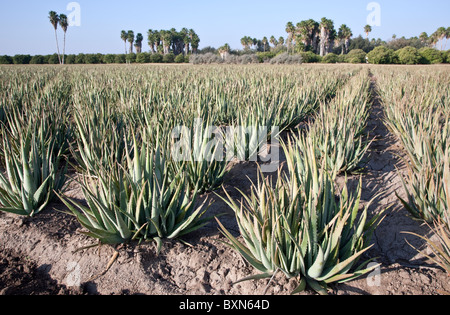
pixel 38 256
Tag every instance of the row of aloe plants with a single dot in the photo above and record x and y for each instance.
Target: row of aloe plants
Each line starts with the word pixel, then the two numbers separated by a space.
pixel 417 109
pixel 301 224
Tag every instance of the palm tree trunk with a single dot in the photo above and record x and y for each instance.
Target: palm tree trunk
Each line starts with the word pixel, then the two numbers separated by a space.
pixel 57 46
pixel 64 49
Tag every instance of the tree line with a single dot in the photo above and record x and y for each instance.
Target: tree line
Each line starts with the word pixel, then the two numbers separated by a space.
pixel 322 38
pixel 163 41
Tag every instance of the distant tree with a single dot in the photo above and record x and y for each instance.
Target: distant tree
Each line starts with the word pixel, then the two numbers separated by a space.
pixel 6 60
pixel 64 23
pixel 424 38
pixel 408 56
pixel 356 56
pixel 224 51
pixel 138 43
pixel 281 41
pixel 54 20
pixel 130 39
pixel 273 41
pixel 367 30
pixel 290 29
pixel 195 40
pixel 265 43
pixel 381 55
pixel 431 55
pixel 345 33
pixel 21 59
pixel 124 37
pixel 326 28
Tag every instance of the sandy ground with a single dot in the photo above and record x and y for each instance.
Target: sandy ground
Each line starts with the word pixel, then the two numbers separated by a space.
pixel 37 256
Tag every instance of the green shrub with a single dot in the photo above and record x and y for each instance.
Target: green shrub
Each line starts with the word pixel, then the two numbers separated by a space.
pixel 169 58
pixel 156 58
pixel 356 56
pixel 131 58
pixel 310 57
pixel 92 59
pixel 37 60
pixel 447 56
pixel 381 55
pixel 408 56
pixel 143 58
pixel 121 58
pixel 21 59
pixel 431 55
pixel 109 58
pixel 331 58
pixel 265 56
pixel 70 59
pixel 179 58
pixel 6 60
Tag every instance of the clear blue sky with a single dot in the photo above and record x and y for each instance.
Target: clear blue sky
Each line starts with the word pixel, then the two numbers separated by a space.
pixel 25 29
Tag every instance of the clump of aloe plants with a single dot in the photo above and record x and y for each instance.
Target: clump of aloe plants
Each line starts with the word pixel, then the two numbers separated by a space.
pixel 300 227
pixel 138 199
pixel 35 167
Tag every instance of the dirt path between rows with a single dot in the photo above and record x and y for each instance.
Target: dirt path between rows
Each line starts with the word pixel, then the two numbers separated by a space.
pixel 37 256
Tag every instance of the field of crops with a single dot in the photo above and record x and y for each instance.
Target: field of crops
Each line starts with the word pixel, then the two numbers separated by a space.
pixel 224 179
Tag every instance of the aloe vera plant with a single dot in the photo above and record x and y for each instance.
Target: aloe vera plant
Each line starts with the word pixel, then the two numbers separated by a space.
pixel 140 199
pixel 299 228
pixel 34 171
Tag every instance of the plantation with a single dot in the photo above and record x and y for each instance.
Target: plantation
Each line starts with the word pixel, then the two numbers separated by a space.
pixel 227 179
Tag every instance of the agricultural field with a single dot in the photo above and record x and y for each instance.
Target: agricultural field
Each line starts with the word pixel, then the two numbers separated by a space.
pixel 225 179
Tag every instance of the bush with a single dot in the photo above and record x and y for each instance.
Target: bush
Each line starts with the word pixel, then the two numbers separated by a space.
pixel 331 58
pixel 381 55
pixel 37 60
pixel 408 56
pixel 179 58
pixel 447 56
pixel 156 58
pixel 285 58
pixel 80 58
pixel 143 58
pixel 431 56
pixel 265 56
pixel 121 58
pixel 6 60
pixel 21 59
pixel 169 58
pixel 310 57
pixel 356 56
pixel 207 58
pixel 92 59
pixel 70 59
pixel 131 58
pixel 109 58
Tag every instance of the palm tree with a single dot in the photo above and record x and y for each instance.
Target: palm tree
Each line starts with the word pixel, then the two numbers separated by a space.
pixel 326 27
pixel 273 41
pixel 345 33
pixel 424 37
pixel 138 44
pixel 186 40
pixel 313 33
pixel 290 29
pixel 281 40
pixel 265 41
pixel 54 20
pixel 195 40
pixel 130 38
pixel 124 37
pixel 224 51
pixel 367 30
pixel 64 23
